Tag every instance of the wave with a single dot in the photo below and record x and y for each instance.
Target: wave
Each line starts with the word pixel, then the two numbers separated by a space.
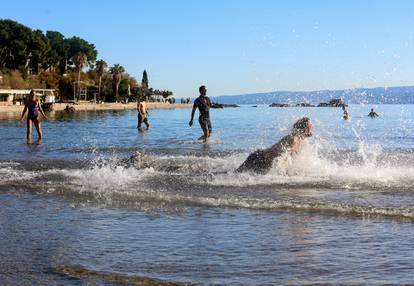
pixel 368 181
pixel 310 168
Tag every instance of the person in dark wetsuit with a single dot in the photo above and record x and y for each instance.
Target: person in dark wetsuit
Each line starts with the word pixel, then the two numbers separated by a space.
pixel 203 104
pixel 261 161
pixel 373 114
pixel 33 107
pixel 345 115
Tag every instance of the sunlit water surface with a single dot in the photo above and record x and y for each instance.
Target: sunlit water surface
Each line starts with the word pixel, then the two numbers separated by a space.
pixel 77 209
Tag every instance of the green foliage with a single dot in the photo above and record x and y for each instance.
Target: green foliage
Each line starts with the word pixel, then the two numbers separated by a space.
pixel 123 87
pixel 33 59
pixel 22 47
pixel 92 76
pixel 144 82
pixel 166 93
pixel 116 71
pixel 15 44
pixel 79 60
pixel 137 94
pixel 100 67
pixel 59 52
pixel 80 46
pixel 40 48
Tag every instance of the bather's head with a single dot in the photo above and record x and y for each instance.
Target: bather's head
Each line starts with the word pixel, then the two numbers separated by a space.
pixel 32 95
pixel 203 90
pixel 303 127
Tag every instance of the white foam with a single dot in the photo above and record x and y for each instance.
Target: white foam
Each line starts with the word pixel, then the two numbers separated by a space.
pixel 9 172
pixel 309 166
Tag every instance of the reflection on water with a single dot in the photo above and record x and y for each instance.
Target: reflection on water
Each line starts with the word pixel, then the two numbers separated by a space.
pixel 44 238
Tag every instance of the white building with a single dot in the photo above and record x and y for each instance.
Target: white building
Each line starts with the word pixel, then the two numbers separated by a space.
pixel 14 96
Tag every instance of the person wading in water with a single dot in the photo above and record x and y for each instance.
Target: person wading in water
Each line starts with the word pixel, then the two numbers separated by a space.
pixel 33 107
pixel 261 161
pixel 142 112
pixel 203 104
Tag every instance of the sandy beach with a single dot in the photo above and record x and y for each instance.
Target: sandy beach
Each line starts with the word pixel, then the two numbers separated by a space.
pixel 93 106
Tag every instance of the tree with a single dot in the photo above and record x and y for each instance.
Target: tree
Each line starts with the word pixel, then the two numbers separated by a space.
pixel 123 86
pixel 15 42
pixel 100 68
pixel 59 53
pixel 144 82
pixel 79 60
pixel 77 45
pixel 166 93
pixel 39 46
pixel 24 49
pixel 116 72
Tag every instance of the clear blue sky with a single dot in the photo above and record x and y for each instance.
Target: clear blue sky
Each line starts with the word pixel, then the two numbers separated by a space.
pixel 240 46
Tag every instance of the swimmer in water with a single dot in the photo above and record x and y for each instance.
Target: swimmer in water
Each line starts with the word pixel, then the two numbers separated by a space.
pixel 373 114
pixel 33 107
pixel 346 115
pixel 261 161
pixel 203 104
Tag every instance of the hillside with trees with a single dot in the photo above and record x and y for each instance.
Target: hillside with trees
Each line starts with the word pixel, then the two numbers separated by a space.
pixel 36 59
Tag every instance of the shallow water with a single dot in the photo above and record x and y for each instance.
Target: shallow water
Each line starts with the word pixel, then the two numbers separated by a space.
pixel 77 209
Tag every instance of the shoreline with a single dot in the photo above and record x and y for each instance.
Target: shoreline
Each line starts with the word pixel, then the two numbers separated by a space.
pixel 97 107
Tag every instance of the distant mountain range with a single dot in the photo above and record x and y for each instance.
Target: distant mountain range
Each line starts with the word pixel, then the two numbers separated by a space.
pixel 395 95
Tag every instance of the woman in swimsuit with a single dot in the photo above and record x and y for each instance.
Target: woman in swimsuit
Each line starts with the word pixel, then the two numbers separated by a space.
pixel 33 107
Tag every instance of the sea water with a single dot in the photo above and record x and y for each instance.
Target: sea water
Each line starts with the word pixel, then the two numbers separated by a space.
pixel 99 201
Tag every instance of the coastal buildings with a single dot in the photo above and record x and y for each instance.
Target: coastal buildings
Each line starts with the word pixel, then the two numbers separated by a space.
pixel 10 96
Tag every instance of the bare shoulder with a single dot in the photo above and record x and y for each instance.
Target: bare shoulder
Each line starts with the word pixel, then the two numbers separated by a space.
pixel 288 140
pixel 294 139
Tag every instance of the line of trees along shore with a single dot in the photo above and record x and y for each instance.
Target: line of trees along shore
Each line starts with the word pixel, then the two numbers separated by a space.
pixel 34 59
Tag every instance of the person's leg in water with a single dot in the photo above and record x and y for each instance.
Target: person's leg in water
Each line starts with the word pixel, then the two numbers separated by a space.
pixel 204 127
pixel 139 121
pixel 29 130
pixel 209 127
pixel 38 129
pixel 146 122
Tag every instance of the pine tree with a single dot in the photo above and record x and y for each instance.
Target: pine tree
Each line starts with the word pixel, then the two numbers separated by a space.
pixel 144 82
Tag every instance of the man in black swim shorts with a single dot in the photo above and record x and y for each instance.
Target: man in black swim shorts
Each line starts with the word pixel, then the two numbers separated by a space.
pixel 203 104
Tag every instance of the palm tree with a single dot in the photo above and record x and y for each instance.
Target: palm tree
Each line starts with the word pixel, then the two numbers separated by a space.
pixel 79 60
pixel 100 69
pixel 116 72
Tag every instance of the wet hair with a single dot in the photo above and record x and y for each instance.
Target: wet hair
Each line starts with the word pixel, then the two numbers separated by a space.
pixel 32 94
pixel 201 88
pixel 300 125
